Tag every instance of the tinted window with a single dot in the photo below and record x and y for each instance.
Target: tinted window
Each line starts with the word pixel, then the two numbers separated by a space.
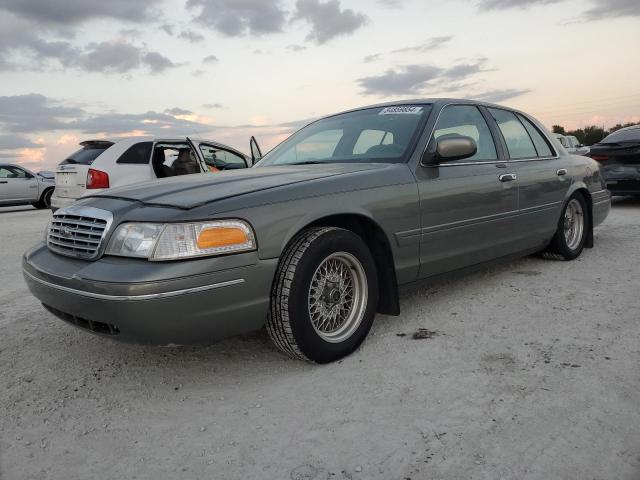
pixel 518 141
pixel 335 139
pixel 629 135
pixel 371 138
pixel 466 120
pixel 139 153
pixel 542 147
pixel 86 155
pixel 219 159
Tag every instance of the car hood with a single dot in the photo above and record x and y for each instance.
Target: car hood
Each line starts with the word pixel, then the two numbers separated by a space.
pixel 190 191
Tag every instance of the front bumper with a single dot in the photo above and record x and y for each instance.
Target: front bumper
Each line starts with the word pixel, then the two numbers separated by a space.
pixel 154 303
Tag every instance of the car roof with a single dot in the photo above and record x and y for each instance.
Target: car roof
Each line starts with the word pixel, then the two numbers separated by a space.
pixel 427 101
pixel 148 138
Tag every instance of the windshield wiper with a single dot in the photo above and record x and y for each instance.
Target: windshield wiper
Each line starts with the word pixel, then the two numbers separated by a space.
pixel 307 162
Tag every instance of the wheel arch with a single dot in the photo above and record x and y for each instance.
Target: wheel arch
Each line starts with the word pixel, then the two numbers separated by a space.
pixel 377 241
pixel 581 188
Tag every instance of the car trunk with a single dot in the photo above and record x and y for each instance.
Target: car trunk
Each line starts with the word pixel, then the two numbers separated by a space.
pixel 620 163
pixel 71 174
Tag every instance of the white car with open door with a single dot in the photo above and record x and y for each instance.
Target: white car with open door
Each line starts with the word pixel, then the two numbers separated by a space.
pixel 102 164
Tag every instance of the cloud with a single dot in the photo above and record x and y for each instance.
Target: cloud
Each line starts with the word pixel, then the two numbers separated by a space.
pixel 191 36
pixel 168 29
pixel 430 44
pixel 178 111
pixel 210 60
pixel 213 105
pixel 296 48
pixel 157 62
pixel 414 79
pixel 486 5
pixel 406 80
pixel 73 12
pixel 327 20
pixel 12 142
pixel 495 96
pixel 391 3
pixel 35 113
pixel 239 17
pixel 612 9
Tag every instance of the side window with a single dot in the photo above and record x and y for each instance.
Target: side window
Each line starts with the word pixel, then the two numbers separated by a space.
pixel 371 138
pixel 218 159
pixel 7 172
pixel 542 146
pixel 172 159
pixel 319 146
pixel 139 153
pixel 518 141
pixel 467 120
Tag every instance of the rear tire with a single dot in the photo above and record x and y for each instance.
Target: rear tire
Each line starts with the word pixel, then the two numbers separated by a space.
pixel 571 235
pixel 324 295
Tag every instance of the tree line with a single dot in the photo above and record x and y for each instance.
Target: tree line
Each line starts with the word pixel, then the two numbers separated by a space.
pixel 590 134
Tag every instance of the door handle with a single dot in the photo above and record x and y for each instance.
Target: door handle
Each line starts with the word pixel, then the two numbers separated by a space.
pixel 561 172
pixel 3 181
pixel 507 177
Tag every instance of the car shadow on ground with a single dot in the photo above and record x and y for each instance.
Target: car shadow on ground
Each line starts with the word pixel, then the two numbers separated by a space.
pixel 18 209
pixel 625 202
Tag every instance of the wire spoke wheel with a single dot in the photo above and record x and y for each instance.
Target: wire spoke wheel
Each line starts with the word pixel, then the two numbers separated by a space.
pixel 573 224
pixel 337 297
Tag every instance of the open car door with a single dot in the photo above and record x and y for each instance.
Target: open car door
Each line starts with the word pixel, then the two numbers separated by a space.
pixel 256 153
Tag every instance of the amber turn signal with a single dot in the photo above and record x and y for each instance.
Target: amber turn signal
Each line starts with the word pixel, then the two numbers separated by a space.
pixel 221 237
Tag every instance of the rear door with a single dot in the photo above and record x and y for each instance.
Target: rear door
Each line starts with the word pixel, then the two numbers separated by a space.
pixel 544 177
pixel 17 185
pixel 468 207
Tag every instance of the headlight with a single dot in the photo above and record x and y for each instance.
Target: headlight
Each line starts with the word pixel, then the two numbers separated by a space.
pixel 175 241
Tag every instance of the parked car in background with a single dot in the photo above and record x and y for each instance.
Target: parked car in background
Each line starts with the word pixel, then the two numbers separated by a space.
pixel 20 186
pixel 317 237
pixel 571 144
pixel 101 164
pixel 619 157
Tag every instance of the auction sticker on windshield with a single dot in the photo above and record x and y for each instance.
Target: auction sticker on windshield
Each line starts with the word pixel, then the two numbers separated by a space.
pixel 402 110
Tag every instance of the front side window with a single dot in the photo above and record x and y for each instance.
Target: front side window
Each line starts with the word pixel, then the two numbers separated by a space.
pixel 466 120
pixel 380 134
pixel 219 159
pixel 542 146
pixel 515 135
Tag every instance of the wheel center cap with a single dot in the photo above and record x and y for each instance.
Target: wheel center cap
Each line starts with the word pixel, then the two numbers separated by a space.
pixel 334 295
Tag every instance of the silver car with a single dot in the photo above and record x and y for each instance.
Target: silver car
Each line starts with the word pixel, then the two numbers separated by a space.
pixel 319 235
pixel 20 186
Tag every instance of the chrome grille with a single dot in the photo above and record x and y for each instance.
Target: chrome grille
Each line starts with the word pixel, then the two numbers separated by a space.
pixel 78 231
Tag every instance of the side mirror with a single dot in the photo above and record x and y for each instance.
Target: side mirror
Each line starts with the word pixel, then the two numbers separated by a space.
pixel 454 147
pixel 256 153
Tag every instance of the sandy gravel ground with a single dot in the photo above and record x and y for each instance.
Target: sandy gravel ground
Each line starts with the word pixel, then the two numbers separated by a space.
pixel 533 374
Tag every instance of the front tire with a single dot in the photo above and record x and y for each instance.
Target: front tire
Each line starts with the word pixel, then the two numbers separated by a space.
pixel 571 235
pixel 324 296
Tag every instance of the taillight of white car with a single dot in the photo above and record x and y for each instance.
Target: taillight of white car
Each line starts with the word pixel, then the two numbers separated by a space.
pixel 97 179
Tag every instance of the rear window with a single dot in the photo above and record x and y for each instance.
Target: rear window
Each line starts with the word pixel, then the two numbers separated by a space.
pixel 631 135
pixel 139 153
pixel 85 156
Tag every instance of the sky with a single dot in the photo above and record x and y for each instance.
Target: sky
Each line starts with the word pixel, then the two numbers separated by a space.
pixel 73 70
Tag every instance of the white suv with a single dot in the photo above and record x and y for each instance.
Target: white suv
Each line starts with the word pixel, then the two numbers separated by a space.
pixel 102 164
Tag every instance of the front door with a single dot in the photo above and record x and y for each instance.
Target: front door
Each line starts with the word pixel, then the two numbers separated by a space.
pixel 468 206
pixel 17 185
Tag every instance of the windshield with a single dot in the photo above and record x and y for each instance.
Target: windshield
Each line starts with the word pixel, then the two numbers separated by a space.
pixel 381 134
